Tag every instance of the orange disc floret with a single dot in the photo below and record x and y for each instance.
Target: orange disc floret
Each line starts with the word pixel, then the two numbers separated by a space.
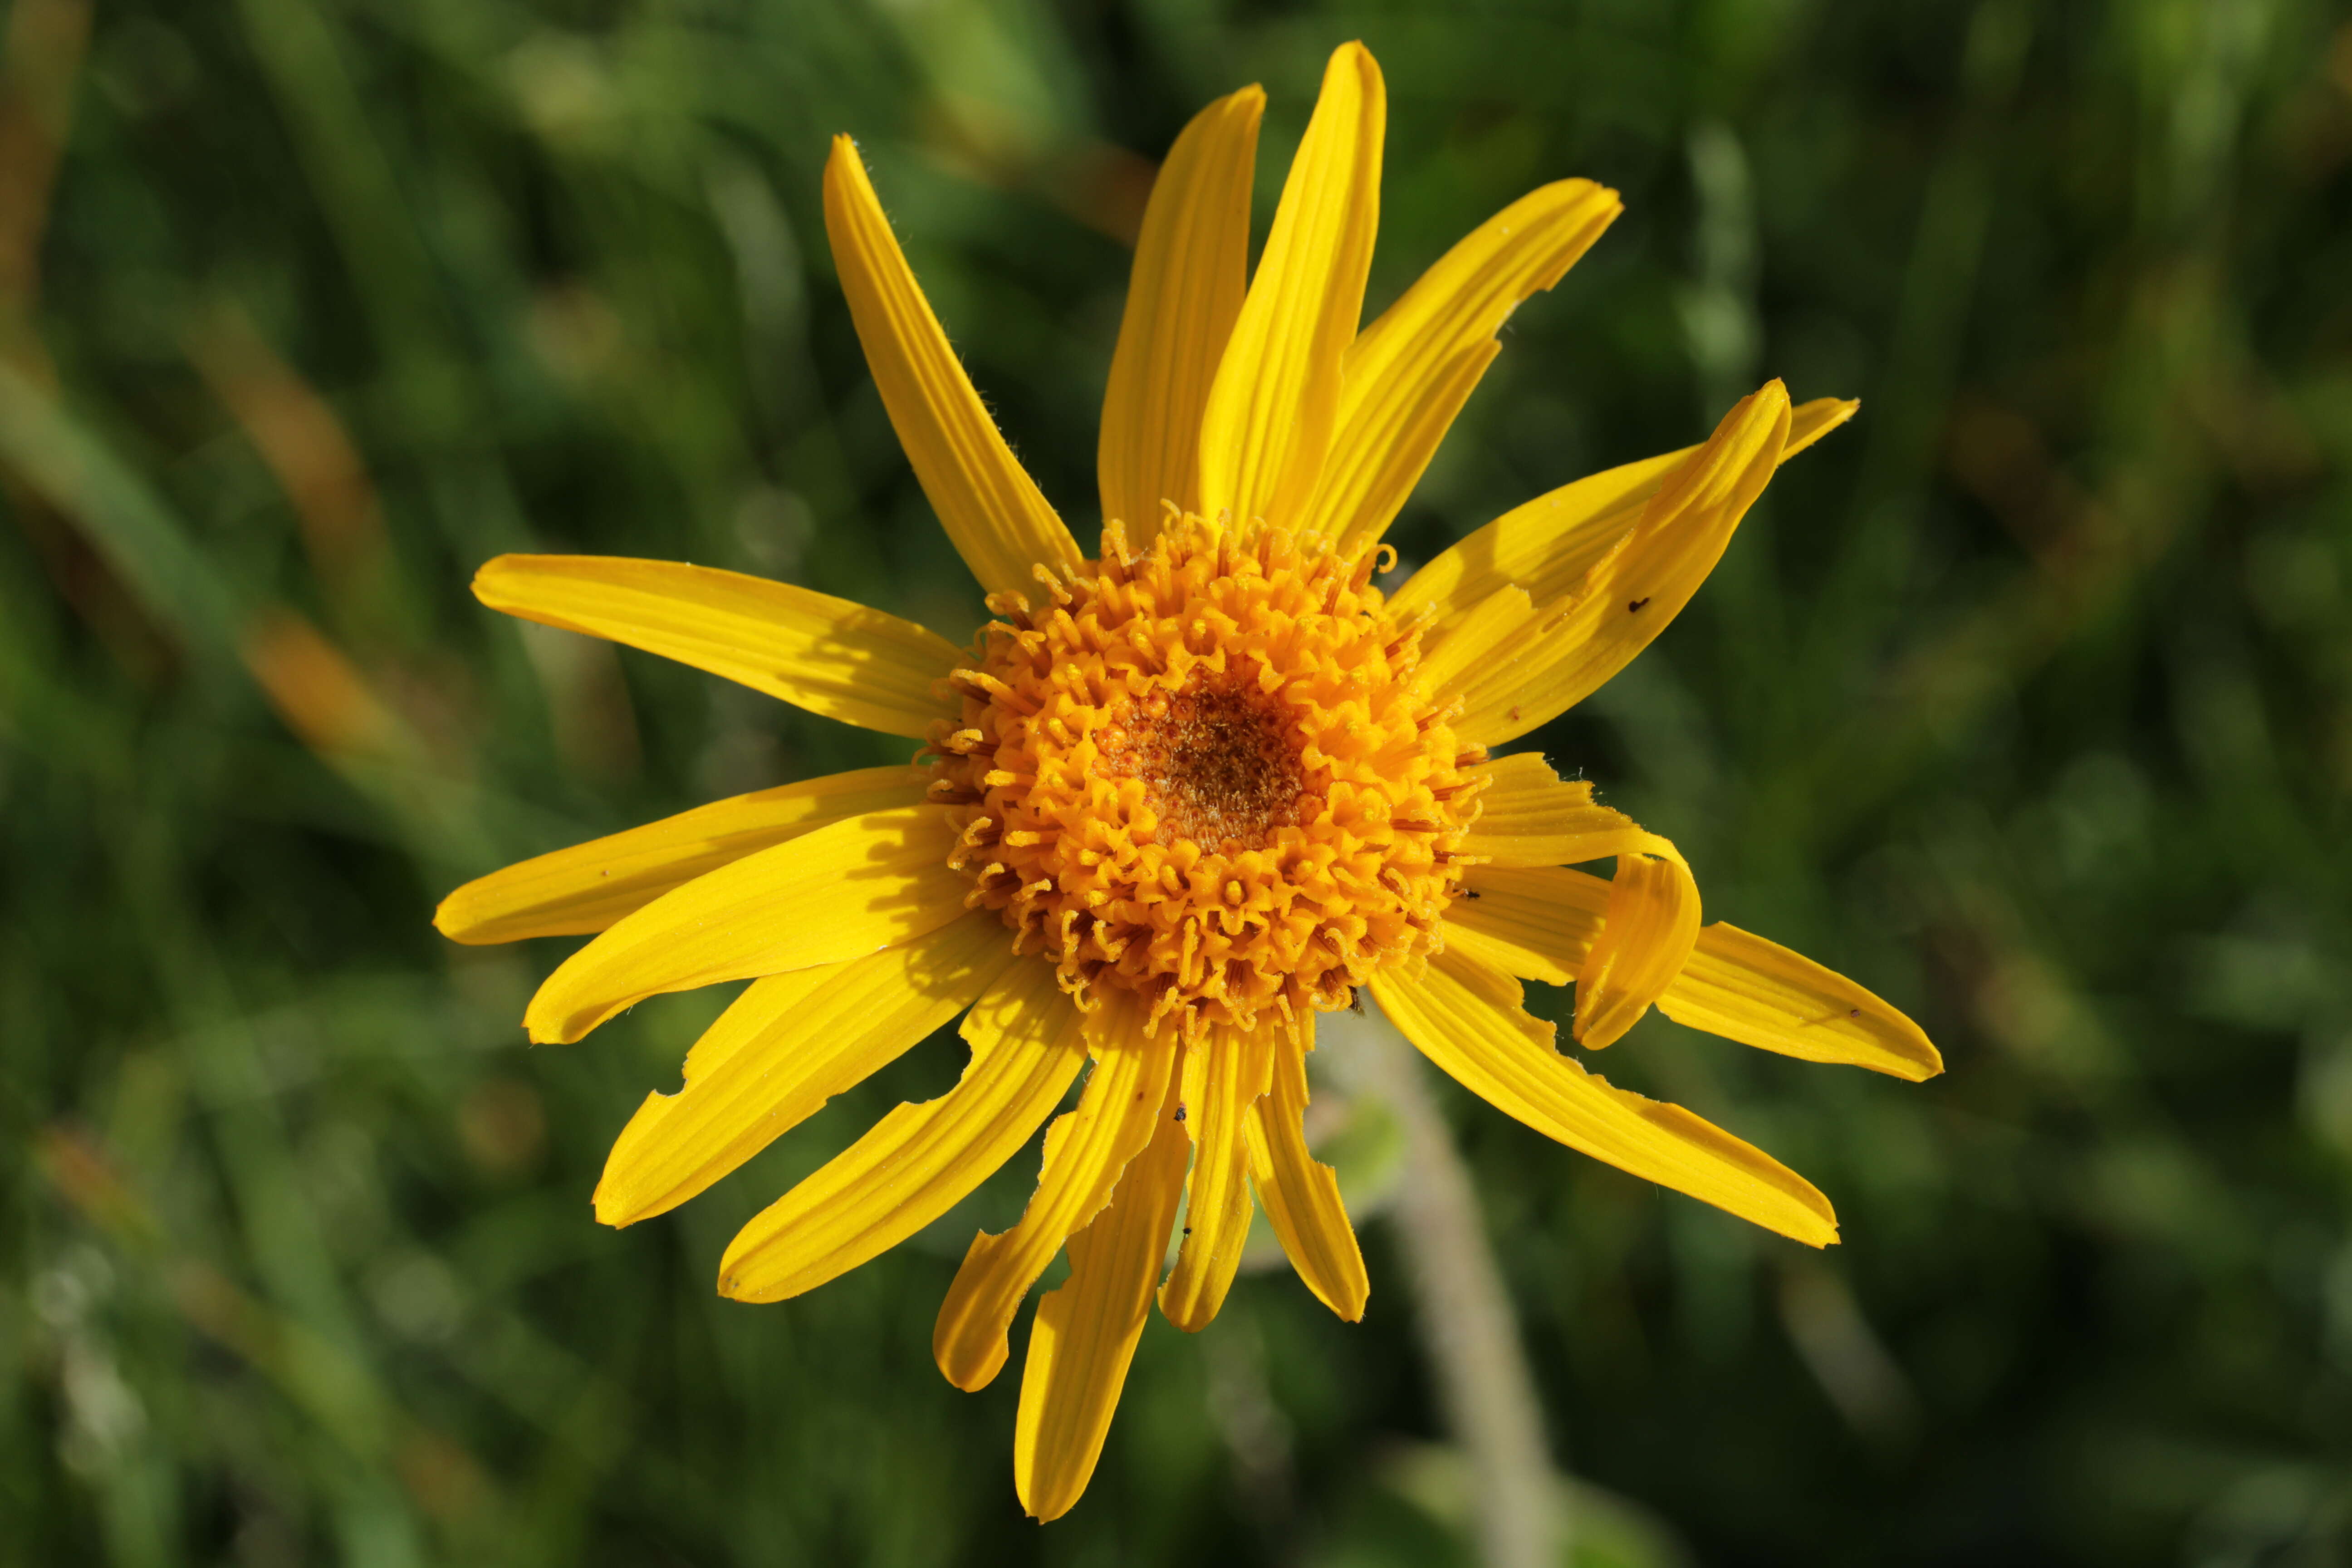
pixel 1205 773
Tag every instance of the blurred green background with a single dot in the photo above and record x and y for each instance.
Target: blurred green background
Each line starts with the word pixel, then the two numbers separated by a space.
pixel 2027 699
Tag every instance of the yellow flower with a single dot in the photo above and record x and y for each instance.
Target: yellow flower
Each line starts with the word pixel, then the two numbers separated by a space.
pixel 1180 797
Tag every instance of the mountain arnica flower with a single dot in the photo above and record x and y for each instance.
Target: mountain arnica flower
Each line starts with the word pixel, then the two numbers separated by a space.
pixel 1180 796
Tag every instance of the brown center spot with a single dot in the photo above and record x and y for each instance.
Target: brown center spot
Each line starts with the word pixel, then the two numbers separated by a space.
pixel 1220 762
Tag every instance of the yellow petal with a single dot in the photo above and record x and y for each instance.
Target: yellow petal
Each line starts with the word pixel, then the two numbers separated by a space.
pixel 1811 420
pixel 1087 1328
pixel 1192 267
pixel 1746 988
pixel 826 655
pixel 1646 934
pixel 1628 595
pixel 1529 815
pixel 849 889
pixel 1225 1076
pixel 920 1160
pixel 789 1044
pixel 991 508
pixel 1276 399
pixel 1540 922
pixel 586 888
pixel 1457 654
pixel 1085 1152
pixel 1546 546
pixel 1301 1194
pixel 1537 922
pixel 1407 377
pixel 1465 1015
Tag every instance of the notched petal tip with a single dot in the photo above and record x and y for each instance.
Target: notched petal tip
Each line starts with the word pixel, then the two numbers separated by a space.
pixel 492 577
pixel 610 1202
pixel 551 1026
pixel 450 920
pixel 1809 421
pixel 1904 1051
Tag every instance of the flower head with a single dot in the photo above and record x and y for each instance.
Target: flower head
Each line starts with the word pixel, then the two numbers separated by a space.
pixel 1180 797
pixel 1208 775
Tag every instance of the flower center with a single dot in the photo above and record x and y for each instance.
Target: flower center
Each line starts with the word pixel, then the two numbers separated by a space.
pixel 1206 774
pixel 1219 763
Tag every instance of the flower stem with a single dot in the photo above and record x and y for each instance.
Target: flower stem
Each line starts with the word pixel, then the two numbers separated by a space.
pixel 1467 1325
